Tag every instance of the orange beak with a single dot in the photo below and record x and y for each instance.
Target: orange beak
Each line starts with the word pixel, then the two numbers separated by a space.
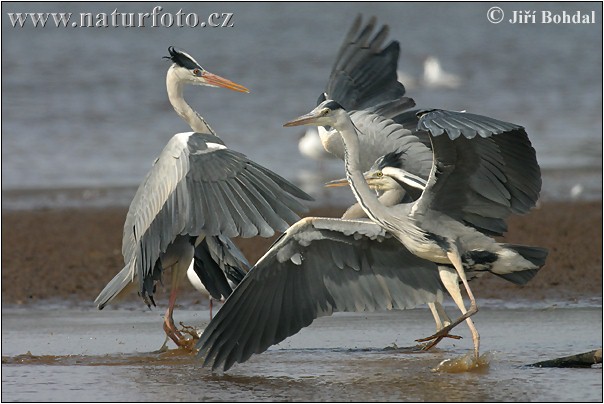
pixel 337 183
pixel 217 81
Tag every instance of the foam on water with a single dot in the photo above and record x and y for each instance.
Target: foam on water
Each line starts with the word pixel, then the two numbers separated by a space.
pixel 465 363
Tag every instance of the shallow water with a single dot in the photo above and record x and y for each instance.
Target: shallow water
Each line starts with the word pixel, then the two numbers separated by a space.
pixel 98 115
pixel 57 354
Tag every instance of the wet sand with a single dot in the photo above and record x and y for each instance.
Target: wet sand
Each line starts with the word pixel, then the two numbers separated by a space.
pixel 71 254
pixel 57 347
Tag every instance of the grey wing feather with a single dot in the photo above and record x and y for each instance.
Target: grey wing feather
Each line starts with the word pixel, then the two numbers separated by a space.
pixel 364 73
pixel 379 136
pixel 319 266
pixel 119 284
pixel 455 124
pixel 189 184
pixel 229 258
pixel 216 262
pixel 484 179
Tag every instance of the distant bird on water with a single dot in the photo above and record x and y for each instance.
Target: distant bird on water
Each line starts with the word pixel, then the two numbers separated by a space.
pixel 436 77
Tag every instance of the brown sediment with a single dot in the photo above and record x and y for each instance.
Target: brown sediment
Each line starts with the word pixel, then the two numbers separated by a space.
pixel 71 254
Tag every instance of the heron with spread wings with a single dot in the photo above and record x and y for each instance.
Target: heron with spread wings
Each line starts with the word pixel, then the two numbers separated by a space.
pixel 500 181
pixel 197 196
pixel 432 227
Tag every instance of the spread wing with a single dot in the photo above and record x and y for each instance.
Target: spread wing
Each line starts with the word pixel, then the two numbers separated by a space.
pixel 484 169
pixel 364 73
pixel 198 186
pixel 317 267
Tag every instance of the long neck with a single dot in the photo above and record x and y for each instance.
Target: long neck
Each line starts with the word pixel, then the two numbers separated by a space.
pixel 184 110
pixel 364 195
pixel 389 198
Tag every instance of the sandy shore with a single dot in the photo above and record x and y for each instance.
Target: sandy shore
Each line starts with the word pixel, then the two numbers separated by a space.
pixel 72 254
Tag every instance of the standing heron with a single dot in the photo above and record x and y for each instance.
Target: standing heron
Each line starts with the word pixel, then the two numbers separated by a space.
pixel 198 191
pixel 430 227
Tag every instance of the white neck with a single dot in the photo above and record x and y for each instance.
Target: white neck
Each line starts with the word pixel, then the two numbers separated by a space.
pixel 175 94
pixel 402 227
pixel 364 195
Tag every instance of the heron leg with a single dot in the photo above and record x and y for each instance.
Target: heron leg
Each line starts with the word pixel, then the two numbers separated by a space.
pixel 179 271
pixel 442 320
pixel 211 306
pixel 169 326
pixel 450 280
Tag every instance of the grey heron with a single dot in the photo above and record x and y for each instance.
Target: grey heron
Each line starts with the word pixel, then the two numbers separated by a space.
pixel 317 267
pixel 197 195
pixel 364 78
pixel 325 265
pixel 430 227
pixel 364 81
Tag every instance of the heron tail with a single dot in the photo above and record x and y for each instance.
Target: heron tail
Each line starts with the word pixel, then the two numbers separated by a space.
pixel 118 286
pixel 535 255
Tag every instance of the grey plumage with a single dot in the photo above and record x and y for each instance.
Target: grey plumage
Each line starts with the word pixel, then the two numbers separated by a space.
pixel 432 227
pixel 317 267
pixel 363 81
pixel 364 73
pixel 334 265
pixel 195 189
pixel 218 263
pixel 198 194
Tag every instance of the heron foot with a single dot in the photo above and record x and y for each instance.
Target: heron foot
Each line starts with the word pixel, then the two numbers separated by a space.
pixel 434 340
pixel 439 335
pixel 180 340
pixel 444 332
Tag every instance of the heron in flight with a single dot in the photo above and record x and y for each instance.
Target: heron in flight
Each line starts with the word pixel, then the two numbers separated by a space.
pixel 430 227
pixel 197 196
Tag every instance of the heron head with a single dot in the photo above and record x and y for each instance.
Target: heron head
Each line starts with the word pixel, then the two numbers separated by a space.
pixel 376 179
pixel 326 113
pixel 187 70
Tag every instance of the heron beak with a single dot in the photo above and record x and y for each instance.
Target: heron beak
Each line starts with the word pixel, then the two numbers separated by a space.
pixel 336 183
pixel 343 182
pixel 217 81
pixel 308 119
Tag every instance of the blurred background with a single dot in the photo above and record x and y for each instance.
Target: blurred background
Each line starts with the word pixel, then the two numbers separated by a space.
pixel 85 110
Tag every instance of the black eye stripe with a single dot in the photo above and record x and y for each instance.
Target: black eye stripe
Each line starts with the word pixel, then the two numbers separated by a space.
pixel 332 105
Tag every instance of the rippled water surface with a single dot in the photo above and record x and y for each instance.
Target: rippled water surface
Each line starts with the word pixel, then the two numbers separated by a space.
pixel 87 108
pixel 75 355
